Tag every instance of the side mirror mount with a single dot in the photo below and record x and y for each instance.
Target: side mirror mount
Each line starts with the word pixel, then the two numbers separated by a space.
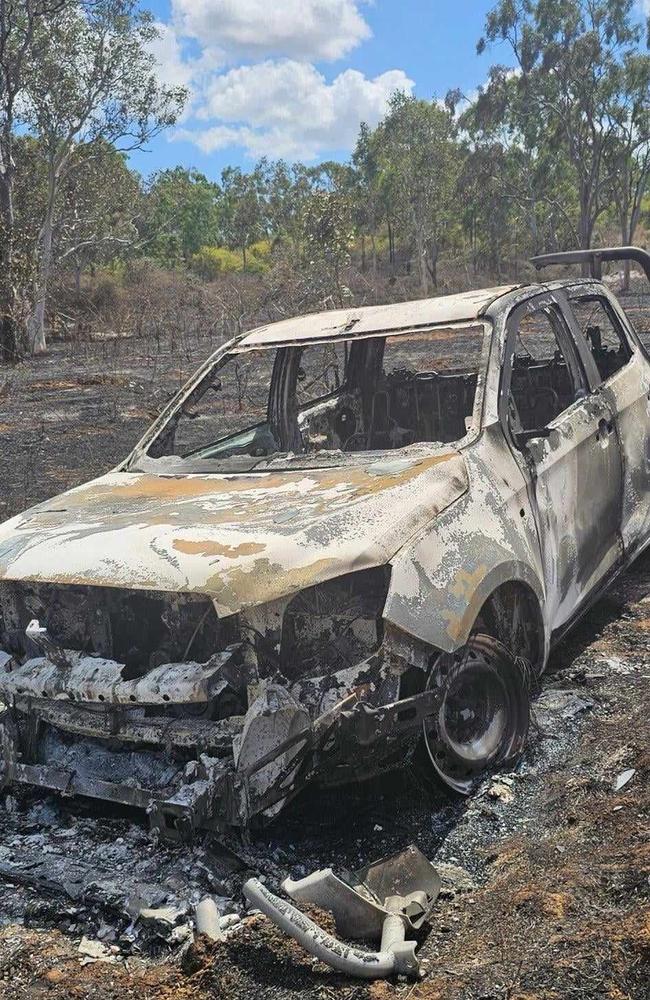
pixel 523 437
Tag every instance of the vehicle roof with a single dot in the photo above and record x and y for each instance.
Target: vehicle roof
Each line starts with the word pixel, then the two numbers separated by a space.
pixel 367 320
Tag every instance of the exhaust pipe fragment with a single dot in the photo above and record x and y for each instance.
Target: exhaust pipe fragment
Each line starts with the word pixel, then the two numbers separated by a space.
pixel 352 961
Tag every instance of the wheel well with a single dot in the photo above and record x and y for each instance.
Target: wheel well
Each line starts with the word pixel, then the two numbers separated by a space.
pixel 512 614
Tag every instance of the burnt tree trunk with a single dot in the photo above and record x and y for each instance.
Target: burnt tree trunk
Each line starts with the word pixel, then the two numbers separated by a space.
pixel 9 331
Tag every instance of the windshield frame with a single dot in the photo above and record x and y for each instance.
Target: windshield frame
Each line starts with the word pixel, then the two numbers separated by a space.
pixel 141 460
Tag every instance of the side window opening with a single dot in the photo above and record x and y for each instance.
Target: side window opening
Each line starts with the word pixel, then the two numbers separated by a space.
pixel 543 383
pixel 635 305
pixel 602 331
pixel 322 372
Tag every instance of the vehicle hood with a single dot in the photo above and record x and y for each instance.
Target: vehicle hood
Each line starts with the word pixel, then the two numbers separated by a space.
pixel 242 539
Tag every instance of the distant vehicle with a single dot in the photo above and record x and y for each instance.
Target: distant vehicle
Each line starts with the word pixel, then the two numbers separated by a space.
pixel 351 539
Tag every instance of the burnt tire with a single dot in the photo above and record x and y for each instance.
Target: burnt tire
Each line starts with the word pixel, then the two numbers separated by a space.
pixel 482 716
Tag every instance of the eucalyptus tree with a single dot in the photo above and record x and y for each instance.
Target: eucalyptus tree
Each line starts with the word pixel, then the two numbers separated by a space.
pixel 287 189
pixel 368 194
pixel 628 155
pixel 242 208
pixel 569 85
pixel 21 42
pixel 99 212
pixel 99 207
pixel 328 236
pixel 420 161
pixel 512 174
pixel 182 214
pixel 91 80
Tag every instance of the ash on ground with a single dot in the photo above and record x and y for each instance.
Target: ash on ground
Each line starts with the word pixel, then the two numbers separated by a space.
pixel 529 863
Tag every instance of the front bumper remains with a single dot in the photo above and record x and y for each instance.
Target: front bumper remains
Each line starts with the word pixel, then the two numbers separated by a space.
pixel 117 741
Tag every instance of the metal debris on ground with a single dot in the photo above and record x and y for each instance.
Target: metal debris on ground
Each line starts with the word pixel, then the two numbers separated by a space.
pixel 384 901
pixel 96 951
pixel 207 919
pixel 623 778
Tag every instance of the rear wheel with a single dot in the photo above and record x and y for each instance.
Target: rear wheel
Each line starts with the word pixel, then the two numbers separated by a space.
pixel 482 713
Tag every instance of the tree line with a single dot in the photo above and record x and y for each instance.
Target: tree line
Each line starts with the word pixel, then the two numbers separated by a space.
pixel 551 153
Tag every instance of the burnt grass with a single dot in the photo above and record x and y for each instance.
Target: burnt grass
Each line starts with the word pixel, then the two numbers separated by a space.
pixel 547 895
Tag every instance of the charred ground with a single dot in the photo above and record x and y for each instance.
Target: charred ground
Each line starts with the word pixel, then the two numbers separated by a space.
pixel 547 891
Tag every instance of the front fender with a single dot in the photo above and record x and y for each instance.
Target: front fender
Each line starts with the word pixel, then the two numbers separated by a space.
pixel 440 582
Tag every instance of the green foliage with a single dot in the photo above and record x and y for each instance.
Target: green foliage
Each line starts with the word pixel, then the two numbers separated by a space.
pixel 259 256
pixel 242 208
pixel 518 199
pixel 79 79
pixel 183 211
pixel 418 162
pixel 329 233
pixel 210 262
pixel 553 154
pixel 287 190
pixel 91 76
pixel 582 89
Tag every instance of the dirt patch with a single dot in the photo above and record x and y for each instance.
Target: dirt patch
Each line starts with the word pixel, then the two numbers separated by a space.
pixel 47 964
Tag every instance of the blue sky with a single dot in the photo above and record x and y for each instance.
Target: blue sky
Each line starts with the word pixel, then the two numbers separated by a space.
pixel 293 78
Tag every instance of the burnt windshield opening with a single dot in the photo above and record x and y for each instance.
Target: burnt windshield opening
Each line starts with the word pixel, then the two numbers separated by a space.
pixel 331 397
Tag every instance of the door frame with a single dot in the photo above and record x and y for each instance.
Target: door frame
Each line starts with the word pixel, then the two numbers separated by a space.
pixel 576 359
pixel 585 373
pixel 634 541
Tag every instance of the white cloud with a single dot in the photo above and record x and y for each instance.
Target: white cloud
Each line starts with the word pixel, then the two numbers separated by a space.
pixel 209 140
pixel 174 69
pixel 277 103
pixel 287 108
pixel 303 29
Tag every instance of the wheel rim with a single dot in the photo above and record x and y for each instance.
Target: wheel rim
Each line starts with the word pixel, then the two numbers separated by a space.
pixel 482 713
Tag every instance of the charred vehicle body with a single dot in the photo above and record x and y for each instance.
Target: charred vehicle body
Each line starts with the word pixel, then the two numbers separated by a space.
pixel 350 540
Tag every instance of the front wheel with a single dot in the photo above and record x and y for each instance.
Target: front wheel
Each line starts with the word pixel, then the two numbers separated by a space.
pixel 482 712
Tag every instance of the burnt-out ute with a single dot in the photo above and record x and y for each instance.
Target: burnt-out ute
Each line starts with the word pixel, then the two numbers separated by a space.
pixel 347 544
